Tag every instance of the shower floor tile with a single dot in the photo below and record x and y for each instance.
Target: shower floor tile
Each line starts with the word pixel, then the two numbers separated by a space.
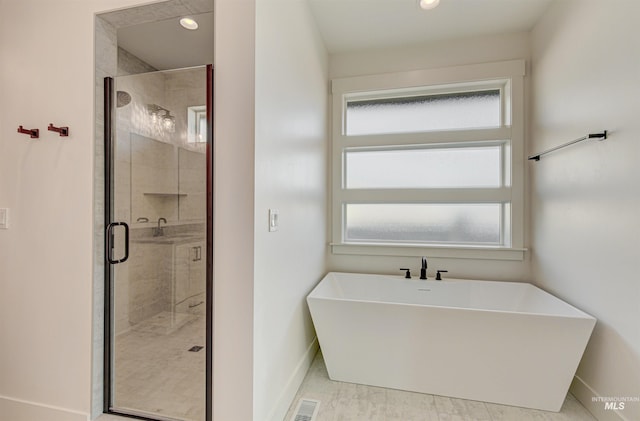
pixel 355 402
pixel 155 372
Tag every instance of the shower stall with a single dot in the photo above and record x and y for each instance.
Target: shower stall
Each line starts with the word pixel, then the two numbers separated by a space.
pixel 158 244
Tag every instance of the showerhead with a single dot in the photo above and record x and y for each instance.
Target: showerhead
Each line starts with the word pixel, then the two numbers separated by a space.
pixel 123 98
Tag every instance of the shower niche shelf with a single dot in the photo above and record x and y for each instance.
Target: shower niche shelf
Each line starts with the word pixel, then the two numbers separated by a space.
pixel 166 180
pixel 166 194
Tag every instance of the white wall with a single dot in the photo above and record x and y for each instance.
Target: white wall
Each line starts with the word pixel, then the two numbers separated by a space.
pixel 437 55
pixel 47 76
pixel 234 94
pixel 481 49
pixel 586 198
pixel 290 176
pixel 45 264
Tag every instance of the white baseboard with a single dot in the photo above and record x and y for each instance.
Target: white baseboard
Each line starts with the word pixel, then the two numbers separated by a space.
pixel 279 410
pixel 584 393
pixel 20 410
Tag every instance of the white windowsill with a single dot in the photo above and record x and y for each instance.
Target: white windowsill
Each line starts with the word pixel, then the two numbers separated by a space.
pixel 411 250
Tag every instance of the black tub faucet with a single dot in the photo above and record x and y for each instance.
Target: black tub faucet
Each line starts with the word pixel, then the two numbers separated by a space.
pixel 423 269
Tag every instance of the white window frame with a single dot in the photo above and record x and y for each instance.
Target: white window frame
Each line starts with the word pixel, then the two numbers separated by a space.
pixel 195 132
pixel 508 76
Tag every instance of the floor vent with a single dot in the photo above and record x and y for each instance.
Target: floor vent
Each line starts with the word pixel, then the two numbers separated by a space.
pixel 195 348
pixel 306 411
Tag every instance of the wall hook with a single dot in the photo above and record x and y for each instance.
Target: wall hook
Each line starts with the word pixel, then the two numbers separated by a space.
pixel 34 133
pixel 63 131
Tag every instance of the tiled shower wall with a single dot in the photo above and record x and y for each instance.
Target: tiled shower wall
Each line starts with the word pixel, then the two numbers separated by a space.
pixel 137 137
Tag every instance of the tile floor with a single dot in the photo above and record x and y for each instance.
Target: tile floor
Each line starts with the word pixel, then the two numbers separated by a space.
pixel 353 402
pixel 148 387
pixel 156 373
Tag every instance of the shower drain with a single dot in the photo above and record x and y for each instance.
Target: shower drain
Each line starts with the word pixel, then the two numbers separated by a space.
pixel 195 348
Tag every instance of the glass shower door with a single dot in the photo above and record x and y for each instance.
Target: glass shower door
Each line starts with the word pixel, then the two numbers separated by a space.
pixel 159 224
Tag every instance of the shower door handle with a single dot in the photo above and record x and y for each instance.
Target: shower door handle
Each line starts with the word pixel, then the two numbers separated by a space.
pixel 109 245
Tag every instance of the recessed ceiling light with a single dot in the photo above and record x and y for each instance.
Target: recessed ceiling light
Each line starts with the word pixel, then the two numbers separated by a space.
pixel 428 4
pixel 191 24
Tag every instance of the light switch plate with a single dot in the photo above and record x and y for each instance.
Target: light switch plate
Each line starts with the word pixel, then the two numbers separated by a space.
pixel 4 218
pixel 273 220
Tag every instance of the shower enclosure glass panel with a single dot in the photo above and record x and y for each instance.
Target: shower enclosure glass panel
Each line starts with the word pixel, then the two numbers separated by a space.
pixel 158 353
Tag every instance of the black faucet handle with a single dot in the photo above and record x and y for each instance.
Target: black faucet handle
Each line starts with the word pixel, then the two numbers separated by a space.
pixel 438 277
pixel 408 274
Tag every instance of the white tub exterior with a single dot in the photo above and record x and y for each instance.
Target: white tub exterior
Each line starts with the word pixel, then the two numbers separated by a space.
pixel 502 342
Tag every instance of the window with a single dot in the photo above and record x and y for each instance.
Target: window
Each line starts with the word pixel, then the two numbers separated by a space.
pixel 197 124
pixel 430 162
pixel 424 166
pixel 419 113
pixel 445 223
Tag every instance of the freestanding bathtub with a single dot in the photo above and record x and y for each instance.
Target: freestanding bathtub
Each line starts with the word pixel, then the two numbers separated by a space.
pixel 502 342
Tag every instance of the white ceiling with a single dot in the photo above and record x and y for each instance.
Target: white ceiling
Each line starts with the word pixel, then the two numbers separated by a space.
pixel 167 45
pixel 351 25
pixel 345 25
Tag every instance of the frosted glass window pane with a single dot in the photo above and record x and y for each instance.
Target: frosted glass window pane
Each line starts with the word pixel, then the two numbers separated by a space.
pixel 424 223
pixel 474 167
pixel 465 110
